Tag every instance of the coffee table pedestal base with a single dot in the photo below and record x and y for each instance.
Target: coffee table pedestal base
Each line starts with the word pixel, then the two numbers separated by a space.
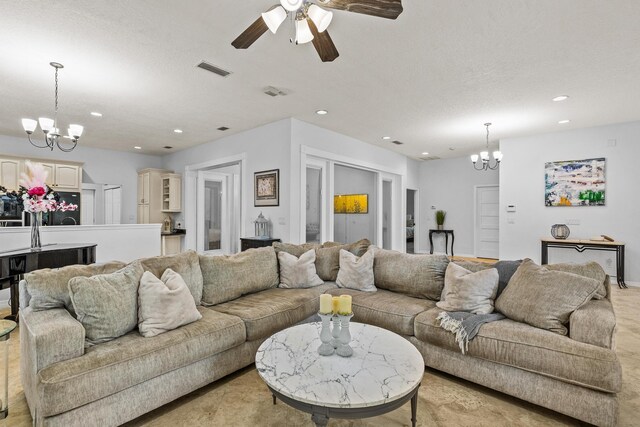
pixel 320 415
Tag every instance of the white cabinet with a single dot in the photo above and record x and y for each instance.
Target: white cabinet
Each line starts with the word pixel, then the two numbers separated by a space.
pixel 171 245
pixel 171 192
pixel 10 173
pixel 67 176
pixel 150 198
pixel 51 173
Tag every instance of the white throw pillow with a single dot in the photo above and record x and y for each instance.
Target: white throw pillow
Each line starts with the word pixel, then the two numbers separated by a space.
pixel 164 304
pixel 297 273
pixel 468 291
pixel 356 272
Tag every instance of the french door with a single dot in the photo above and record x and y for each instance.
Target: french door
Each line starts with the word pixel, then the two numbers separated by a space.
pixel 213 230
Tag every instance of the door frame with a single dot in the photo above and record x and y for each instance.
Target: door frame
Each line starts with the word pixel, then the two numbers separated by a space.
pixel 416 211
pixel 475 216
pixel 225 232
pixel 324 166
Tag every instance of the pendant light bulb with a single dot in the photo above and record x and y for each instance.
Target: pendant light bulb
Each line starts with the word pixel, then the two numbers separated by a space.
pixel 322 18
pixel 274 18
pixel 303 32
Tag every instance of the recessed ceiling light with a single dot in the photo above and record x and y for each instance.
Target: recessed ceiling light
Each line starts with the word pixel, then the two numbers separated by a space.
pixel 425 153
pixel 562 122
pixel 322 112
pixel 137 148
pixel 177 130
pixel 96 114
pixel 560 98
pixel 386 138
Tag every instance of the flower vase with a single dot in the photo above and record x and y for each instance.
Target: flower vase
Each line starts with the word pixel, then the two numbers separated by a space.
pixel 36 220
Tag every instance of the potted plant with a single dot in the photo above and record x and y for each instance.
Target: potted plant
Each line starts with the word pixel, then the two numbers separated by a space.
pixel 440 216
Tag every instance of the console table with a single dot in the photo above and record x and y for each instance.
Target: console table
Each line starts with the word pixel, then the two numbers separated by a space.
pixel 14 264
pixel 446 239
pixel 583 245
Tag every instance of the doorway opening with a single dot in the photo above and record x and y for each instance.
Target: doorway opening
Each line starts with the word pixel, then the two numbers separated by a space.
pixel 410 226
pixel 487 224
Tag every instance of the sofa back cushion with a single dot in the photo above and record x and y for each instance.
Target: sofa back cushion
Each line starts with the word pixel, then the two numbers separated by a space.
pixel 229 277
pixel 186 264
pixel 420 276
pixel 545 298
pixel 469 291
pixel 298 272
pixel 106 304
pixel 592 270
pixel 49 289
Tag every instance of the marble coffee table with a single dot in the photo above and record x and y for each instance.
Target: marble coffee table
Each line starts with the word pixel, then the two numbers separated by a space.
pixel 384 373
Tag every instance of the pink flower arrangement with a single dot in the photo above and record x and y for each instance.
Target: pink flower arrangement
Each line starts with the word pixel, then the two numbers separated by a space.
pixel 38 196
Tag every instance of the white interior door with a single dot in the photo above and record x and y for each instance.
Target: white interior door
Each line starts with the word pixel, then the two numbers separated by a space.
pixel 88 208
pixel 112 205
pixel 487 228
pixel 212 222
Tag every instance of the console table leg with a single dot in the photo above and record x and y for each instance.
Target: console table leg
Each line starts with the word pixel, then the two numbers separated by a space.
pixel 320 420
pixel 431 242
pixel 545 254
pixel 446 244
pixel 453 239
pixel 414 409
pixel 620 267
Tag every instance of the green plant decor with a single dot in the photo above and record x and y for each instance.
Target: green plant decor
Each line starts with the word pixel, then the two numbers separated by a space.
pixel 440 216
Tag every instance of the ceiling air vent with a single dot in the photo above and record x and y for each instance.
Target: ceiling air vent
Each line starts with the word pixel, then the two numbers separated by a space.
pixel 223 128
pixel 397 142
pixel 212 68
pixel 274 91
pixel 427 158
pixel 167 147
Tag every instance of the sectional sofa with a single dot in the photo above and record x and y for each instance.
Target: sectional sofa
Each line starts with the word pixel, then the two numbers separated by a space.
pixel 68 384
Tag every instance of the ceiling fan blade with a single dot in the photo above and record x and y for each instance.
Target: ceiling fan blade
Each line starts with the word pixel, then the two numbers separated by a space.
pixel 389 9
pixel 323 43
pixel 251 34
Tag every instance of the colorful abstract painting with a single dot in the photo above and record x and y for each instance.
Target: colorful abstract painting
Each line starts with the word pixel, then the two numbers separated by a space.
pixel 351 204
pixel 575 183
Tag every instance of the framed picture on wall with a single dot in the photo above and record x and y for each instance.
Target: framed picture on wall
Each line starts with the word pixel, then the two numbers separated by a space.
pixel 575 183
pixel 267 188
pixel 351 204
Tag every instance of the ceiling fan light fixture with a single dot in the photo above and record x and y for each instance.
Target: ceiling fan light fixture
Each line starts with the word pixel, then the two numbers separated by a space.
pixel 303 32
pixel 322 18
pixel 274 18
pixel 291 5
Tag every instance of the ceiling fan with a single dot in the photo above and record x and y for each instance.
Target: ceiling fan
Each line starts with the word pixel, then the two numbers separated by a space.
pixel 311 21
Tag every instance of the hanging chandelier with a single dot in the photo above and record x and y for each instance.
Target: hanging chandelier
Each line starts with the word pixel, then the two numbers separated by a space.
pixel 50 126
pixel 484 157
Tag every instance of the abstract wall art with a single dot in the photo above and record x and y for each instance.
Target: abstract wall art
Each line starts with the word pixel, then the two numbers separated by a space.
pixel 351 204
pixel 575 183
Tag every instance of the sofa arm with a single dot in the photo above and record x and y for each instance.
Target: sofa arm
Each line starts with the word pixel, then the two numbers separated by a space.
pixel 594 323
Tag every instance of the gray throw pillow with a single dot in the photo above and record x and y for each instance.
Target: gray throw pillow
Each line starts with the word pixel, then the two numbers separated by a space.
pixel 229 277
pixel 186 264
pixel 465 290
pixel 164 304
pixel 420 276
pixel 49 288
pixel 106 304
pixel 297 273
pixel 545 298
pixel 356 272
pixel 506 269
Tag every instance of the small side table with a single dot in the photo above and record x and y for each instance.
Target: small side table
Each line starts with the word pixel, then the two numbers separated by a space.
pixel 446 239
pixel 255 242
pixel 6 327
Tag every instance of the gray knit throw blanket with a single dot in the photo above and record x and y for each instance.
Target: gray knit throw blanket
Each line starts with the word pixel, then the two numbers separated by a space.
pixel 465 325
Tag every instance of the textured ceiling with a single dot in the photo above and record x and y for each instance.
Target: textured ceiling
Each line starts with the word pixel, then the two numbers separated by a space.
pixel 430 79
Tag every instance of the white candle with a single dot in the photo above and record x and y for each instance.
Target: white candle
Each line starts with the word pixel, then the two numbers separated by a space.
pixel 326 304
pixel 344 306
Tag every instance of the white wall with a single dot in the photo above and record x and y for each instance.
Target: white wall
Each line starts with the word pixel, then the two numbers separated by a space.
pixel 522 178
pixel 266 147
pixel 100 167
pixel 353 227
pixel 449 184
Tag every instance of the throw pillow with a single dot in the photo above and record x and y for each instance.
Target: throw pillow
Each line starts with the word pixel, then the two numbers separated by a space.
pixel 229 277
pixel 298 272
pixel 186 264
pixel 164 304
pixel 356 272
pixel 465 290
pixel 545 298
pixel 506 269
pixel 49 288
pixel 106 304
pixel 420 276
pixel 591 269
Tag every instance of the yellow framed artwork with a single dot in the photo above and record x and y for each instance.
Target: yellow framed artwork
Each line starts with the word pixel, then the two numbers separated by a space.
pixel 351 204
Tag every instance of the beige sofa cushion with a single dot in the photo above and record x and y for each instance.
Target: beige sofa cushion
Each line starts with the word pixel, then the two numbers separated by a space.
pixel 110 367
pixel 229 277
pixel 273 310
pixel 591 269
pixel 420 276
pixel 298 272
pixel 356 272
pixel 526 347
pixel 106 304
pixel 49 289
pixel 467 291
pixel 389 310
pixel 186 264
pixel 545 298
pixel 164 304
